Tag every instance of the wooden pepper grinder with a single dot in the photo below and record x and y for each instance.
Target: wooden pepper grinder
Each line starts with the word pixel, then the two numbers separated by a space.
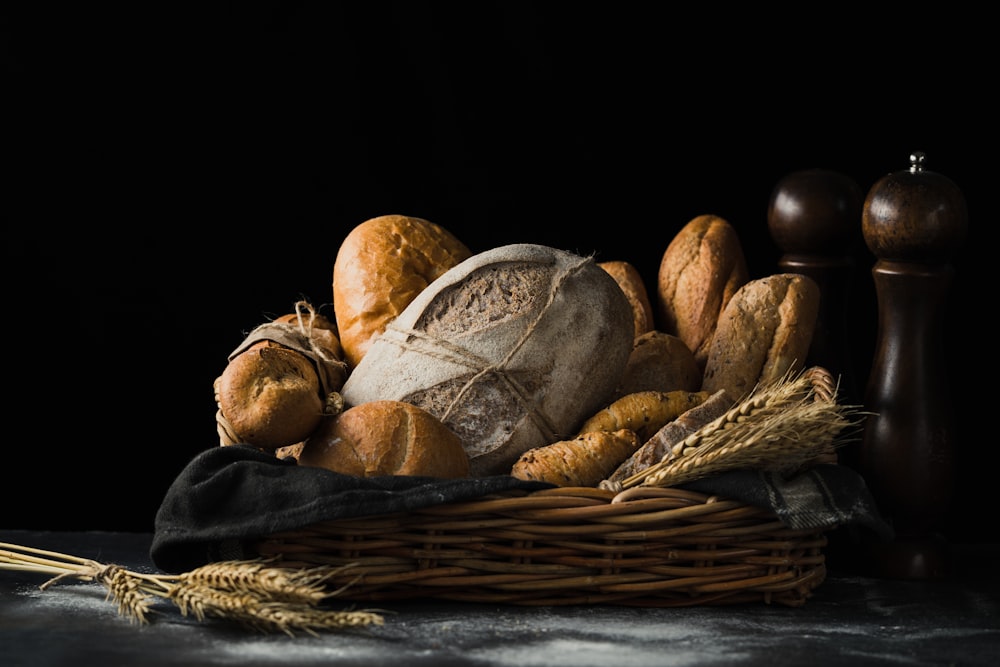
pixel 814 217
pixel 913 221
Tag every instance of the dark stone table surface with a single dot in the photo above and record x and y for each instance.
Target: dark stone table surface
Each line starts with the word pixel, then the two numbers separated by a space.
pixel 851 620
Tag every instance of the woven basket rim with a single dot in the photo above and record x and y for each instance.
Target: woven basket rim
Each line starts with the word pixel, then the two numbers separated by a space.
pixel 566 545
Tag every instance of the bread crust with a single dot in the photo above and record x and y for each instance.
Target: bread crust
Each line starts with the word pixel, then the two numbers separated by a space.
pixel 511 349
pixel 630 280
pixel 325 340
pixel 270 396
pixel 661 444
pixel 659 362
pixel 699 273
pixel 381 265
pixel 386 438
pixel 764 333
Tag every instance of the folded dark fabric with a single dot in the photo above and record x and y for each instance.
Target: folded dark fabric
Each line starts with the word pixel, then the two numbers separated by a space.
pixel 227 496
pixel 824 496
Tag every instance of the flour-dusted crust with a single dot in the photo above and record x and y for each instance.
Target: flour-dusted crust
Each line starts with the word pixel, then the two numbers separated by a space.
pixel 764 333
pixel 512 349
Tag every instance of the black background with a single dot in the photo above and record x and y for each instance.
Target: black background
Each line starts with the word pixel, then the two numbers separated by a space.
pixel 178 176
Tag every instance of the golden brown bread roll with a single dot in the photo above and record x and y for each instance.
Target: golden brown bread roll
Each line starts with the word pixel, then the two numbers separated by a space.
pixel 279 383
pixel 269 396
pixel 763 333
pixel 700 271
pixel 386 438
pixel 659 362
pixel 382 264
pixel 630 280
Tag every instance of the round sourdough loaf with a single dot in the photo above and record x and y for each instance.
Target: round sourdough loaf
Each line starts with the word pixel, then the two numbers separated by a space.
pixel 763 334
pixel 512 349
pixel 385 438
pixel 380 266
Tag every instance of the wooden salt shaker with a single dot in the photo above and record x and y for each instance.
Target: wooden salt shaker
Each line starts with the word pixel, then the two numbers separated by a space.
pixel 913 221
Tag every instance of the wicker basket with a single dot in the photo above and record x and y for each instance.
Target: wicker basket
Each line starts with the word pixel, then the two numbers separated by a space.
pixel 646 546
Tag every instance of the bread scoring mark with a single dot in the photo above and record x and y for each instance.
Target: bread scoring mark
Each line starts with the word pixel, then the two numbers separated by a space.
pixel 488 296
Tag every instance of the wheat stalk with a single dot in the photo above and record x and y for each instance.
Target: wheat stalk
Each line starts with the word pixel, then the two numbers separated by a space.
pixel 781 427
pixel 252 593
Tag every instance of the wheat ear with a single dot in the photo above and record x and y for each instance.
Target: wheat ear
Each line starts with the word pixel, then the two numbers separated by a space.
pixel 254 594
pixel 783 427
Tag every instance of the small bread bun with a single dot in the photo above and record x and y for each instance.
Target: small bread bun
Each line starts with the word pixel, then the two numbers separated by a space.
pixel 270 396
pixel 700 271
pixel 659 362
pixel 763 334
pixel 630 280
pixel 386 438
pixel 381 266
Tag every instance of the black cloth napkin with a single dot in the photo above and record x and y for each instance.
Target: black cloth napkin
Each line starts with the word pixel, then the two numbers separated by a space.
pixel 227 496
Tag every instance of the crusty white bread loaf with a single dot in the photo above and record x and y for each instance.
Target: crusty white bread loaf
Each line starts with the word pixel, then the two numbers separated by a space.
pixel 385 438
pixel 512 349
pixel 381 265
pixel 630 280
pixel 701 269
pixel 763 334
pixel 659 362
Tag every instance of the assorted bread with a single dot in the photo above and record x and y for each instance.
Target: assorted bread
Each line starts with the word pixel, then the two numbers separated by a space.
pixel 501 349
pixel 522 360
pixel 701 270
pixel 380 267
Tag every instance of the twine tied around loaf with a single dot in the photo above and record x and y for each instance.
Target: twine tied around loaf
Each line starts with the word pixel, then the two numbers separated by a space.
pixel 437 347
pixel 297 337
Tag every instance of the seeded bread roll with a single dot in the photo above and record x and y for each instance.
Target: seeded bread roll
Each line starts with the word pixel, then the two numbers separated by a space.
pixel 630 280
pixel 764 333
pixel 386 438
pixel 659 362
pixel 662 442
pixel 380 267
pixel 700 271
